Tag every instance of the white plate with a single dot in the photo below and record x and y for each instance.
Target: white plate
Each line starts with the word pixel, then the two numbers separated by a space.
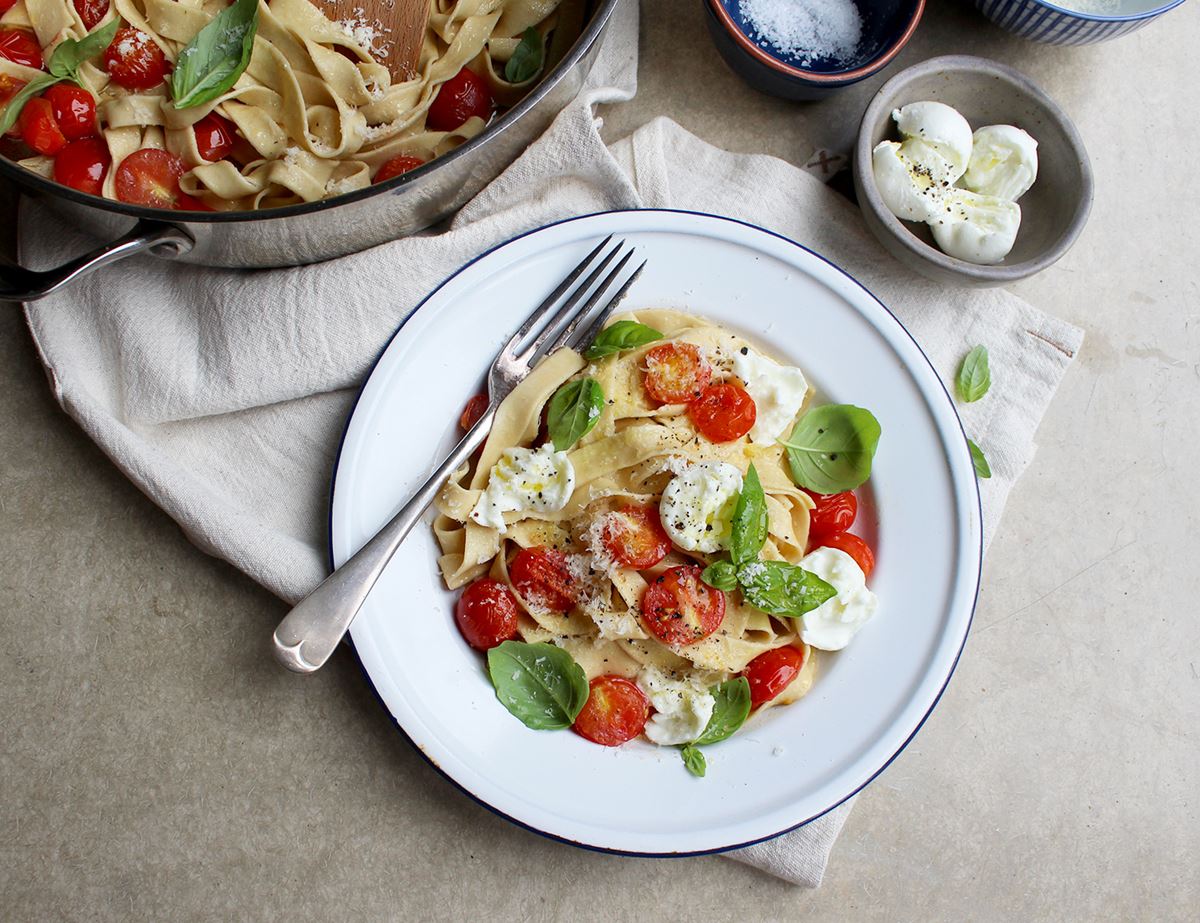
pixel 784 767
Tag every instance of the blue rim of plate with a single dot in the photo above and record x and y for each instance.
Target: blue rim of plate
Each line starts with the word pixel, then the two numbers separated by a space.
pixel 1101 17
pixel 470 794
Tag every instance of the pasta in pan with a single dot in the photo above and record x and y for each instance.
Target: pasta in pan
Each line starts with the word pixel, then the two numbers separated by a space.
pixel 315 112
pixel 657 544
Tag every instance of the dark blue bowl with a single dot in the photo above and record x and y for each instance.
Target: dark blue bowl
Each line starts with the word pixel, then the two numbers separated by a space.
pixel 887 27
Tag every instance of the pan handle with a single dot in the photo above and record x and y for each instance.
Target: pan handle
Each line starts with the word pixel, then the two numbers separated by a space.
pixel 166 240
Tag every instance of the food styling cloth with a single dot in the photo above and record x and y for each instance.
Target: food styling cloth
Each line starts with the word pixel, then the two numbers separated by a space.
pixel 223 393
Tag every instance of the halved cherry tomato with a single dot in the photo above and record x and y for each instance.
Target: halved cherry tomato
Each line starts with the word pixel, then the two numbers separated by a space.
pixel 615 712
pixel 770 673
pixel 462 96
pixel 486 614
pixel 723 412
pixel 542 577
pixel 134 60
pixel 215 137
pixel 6 5
pixel 21 47
pixel 473 411
pixel 853 546
pixel 9 87
pixel 676 373
pixel 82 165
pixel 680 608
pixel 185 203
pixel 91 11
pixel 635 537
pixel 150 177
pixel 39 128
pixel 396 166
pixel 834 513
pixel 74 109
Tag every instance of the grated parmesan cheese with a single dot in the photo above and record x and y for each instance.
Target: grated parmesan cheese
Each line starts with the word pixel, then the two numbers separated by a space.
pixel 806 30
pixel 365 33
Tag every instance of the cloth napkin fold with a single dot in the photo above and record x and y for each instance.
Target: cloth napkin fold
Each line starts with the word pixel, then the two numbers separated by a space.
pixel 222 394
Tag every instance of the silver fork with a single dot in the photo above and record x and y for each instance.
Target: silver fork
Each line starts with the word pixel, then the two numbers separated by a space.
pixel 310 633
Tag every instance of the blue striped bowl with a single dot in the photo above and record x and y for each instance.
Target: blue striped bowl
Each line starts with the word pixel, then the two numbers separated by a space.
pixel 1057 25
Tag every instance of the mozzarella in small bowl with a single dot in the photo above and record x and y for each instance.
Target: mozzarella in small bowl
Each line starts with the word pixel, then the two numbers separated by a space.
pixel 977 228
pixel 1004 162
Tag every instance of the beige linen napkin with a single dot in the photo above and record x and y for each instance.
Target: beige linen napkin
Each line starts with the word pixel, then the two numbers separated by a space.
pixel 222 394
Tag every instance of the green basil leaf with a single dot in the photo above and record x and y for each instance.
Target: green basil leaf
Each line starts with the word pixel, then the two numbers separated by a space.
pixel 539 683
pixel 779 588
pixel 526 62
pixel 720 574
pixel 730 713
pixel 24 95
pixel 574 410
pixel 71 53
pixel 974 376
pixel 624 334
pixel 982 469
pixel 212 61
pixel 831 448
pixel 694 760
pixel 748 531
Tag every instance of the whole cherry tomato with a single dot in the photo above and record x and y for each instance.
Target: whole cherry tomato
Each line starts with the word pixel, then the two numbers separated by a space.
pixel 150 177
pixel 21 47
pixel 473 412
pixel 74 109
pixel 635 537
pixel 543 579
pixel 91 12
pixel 462 96
pixel 834 513
pixel 215 137
pixel 82 165
pixel 39 128
pixel 676 373
pixel 680 608
pixel 855 547
pixel 771 672
pixel 486 614
pixel 134 60
pixel 615 712
pixel 723 412
pixel 397 166
pixel 6 5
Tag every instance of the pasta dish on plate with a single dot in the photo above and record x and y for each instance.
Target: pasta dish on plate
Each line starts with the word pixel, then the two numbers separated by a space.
pixel 208 105
pixel 654 539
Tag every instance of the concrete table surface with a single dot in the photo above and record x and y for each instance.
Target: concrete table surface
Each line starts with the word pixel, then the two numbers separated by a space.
pixel 155 763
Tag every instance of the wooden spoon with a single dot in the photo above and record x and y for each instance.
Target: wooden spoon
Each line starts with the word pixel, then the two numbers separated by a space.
pixel 392 30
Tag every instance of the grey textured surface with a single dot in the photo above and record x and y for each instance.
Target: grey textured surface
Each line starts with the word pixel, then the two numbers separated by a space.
pixel 155 763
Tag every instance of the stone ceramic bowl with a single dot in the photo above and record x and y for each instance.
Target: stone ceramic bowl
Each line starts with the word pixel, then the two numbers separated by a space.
pixel 1053 211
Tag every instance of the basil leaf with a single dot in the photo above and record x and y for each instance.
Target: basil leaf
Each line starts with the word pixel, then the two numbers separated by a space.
pixel 538 683
pixel 574 410
pixel 779 588
pixel 748 531
pixel 831 448
pixel 71 53
pixel 212 61
pixel 694 760
pixel 720 574
pixel 526 61
pixel 624 334
pixel 982 469
pixel 24 95
pixel 730 713
pixel 974 376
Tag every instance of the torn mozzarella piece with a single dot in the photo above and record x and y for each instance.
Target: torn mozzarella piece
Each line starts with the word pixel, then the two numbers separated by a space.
pixel 832 625
pixel 778 392
pixel 911 188
pixel 682 708
pixel 697 506
pixel 976 228
pixel 1003 164
pixel 942 128
pixel 525 481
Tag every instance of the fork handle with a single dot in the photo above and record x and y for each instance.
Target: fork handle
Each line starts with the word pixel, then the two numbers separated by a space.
pixel 310 633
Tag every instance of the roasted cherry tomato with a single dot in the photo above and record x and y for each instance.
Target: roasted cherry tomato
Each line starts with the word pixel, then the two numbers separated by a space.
pixel 82 165
pixel 676 373
pixel 853 546
pixel 680 608
pixel 21 47
pixel 150 177
pixel 834 513
pixel 771 672
pixel 723 412
pixel 185 203
pixel 396 166
pixel 91 11
pixel 634 536
pixel 473 412
pixel 74 109
pixel 486 614
pixel 462 96
pixel 543 579
pixel 9 87
pixel 215 137
pixel 39 128
pixel 6 5
pixel 134 60
pixel 615 712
